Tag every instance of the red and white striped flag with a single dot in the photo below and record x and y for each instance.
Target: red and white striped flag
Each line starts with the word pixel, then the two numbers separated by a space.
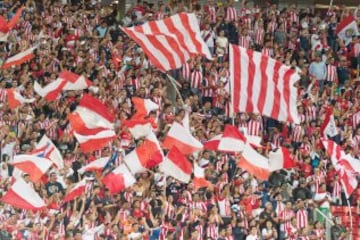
pixel 119 179
pixel 91 114
pixel 255 163
pixel 181 138
pixel 76 191
pixel 74 81
pixel 96 141
pixel 143 107
pixel 339 159
pixel 262 85
pixel 149 154
pixel 347 28
pixel 47 149
pixel 21 195
pixel 177 166
pixel 138 127
pixel 19 58
pixel 280 159
pixel 35 166
pixel 15 99
pixel 170 42
pixel 51 91
pixel 345 164
pixel 96 165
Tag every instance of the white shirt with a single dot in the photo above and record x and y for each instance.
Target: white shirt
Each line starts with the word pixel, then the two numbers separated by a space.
pixel 252 237
pixel 221 43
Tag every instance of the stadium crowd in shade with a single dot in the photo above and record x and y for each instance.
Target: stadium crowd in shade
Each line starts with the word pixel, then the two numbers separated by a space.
pixel 298 203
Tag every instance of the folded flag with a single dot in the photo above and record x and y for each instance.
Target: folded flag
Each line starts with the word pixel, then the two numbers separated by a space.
pixel 21 195
pixel 119 179
pixel 177 166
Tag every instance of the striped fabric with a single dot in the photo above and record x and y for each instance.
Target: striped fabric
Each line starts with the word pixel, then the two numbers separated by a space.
pixel 169 43
pixel 252 73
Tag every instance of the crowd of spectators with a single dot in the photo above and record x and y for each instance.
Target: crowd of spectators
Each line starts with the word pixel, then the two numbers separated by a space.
pixel 85 37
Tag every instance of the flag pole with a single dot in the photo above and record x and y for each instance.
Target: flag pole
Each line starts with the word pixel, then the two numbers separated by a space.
pixel 350 213
pixel 173 82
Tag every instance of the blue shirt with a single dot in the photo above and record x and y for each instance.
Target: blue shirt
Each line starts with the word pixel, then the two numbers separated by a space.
pixel 318 69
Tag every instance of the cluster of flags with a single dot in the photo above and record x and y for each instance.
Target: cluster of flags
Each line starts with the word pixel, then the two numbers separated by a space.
pixel 92 124
pixel 258 83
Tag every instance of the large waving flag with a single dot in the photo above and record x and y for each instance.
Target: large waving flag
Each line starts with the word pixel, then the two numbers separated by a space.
pixel 177 166
pixel 76 191
pixel 232 140
pixel 255 163
pixel 96 165
pixel 149 154
pixel 66 81
pixel 260 84
pixel 91 114
pixel 5 27
pixel 21 195
pixel 143 107
pixel 51 91
pixel 92 123
pixel 213 143
pixel 35 166
pixel 138 127
pixel 181 138
pixel 15 99
pixel 170 42
pixel 74 81
pixel 96 141
pixel 47 149
pixel 281 159
pixel 19 58
pixel 347 28
pixel 199 179
pixel 119 179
